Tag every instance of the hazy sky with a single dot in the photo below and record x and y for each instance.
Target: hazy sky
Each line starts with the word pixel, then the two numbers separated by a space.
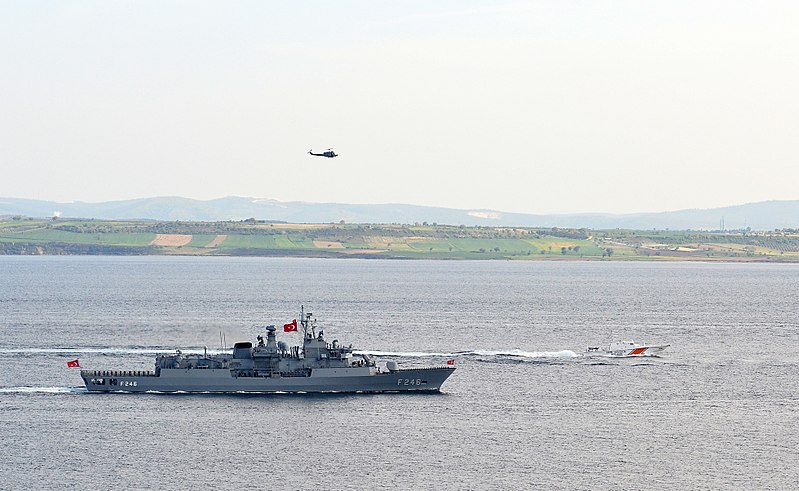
pixel 540 107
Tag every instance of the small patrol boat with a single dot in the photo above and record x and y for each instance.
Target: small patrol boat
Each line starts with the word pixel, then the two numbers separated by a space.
pixel 273 367
pixel 625 349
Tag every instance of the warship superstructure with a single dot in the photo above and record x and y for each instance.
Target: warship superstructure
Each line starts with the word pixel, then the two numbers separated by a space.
pixel 272 366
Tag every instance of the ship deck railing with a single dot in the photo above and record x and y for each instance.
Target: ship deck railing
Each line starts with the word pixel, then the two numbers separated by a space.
pixel 267 374
pixel 117 373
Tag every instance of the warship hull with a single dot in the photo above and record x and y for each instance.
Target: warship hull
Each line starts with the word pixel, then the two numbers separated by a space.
pixel 364 380
pixel 272 367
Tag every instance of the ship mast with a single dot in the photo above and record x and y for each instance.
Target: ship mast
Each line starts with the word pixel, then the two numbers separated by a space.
pixel 307 326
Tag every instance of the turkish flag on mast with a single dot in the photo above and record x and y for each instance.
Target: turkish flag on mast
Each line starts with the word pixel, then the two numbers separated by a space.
pixel 73 364
pixel 291 326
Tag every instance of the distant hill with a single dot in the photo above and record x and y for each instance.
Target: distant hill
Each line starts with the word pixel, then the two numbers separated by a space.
pixel 766 215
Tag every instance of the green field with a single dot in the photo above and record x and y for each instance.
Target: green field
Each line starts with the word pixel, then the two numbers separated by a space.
pixel 44 235
pixel 201 240
pixel 265 242
pixel 27 236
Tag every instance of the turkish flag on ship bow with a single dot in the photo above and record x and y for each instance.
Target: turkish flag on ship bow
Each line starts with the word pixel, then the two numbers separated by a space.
pixel 291 326
pixel 73 364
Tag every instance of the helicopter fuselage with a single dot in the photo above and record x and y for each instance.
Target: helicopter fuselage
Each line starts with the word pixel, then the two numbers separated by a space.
pixel 329 154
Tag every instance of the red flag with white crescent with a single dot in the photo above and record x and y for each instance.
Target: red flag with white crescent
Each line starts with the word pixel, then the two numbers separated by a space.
pixel 291 326
pixel 74 363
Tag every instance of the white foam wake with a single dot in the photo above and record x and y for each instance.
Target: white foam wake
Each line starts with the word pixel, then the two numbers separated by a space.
pixel 402 354
pixel 511 352
pixel 530 354
pixel 42 390
pixel 106 351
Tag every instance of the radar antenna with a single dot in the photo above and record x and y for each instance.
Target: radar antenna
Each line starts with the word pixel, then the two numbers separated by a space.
pixel 308 325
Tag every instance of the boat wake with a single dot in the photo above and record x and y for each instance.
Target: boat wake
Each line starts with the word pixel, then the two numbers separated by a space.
pixel 134 350
pixel 403 354
pixel 150 351
pixel 43 390
pixel 530 354
pixel 480 355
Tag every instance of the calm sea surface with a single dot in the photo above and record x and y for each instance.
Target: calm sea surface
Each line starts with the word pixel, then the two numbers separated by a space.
pixel 720 409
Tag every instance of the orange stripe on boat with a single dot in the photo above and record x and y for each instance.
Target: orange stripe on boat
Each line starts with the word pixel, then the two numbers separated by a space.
pixel 637 351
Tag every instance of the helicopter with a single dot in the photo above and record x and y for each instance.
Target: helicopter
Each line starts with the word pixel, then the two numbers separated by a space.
pixel 329 153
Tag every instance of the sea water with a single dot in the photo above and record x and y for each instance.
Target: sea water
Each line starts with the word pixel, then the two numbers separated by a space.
pixel 523 409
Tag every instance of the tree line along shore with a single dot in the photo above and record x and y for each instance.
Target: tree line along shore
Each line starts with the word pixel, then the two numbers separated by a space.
pixel 28 236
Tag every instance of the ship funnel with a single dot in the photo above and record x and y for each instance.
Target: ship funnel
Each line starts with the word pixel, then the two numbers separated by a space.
pixel 242 350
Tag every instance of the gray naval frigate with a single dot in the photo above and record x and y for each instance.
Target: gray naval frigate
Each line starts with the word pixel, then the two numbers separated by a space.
pixel 272 367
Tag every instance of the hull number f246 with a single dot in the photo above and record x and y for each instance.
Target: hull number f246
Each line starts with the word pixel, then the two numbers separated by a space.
pixel 409 381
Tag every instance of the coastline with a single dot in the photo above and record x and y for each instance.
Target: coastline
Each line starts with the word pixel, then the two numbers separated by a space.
pixel 26 236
